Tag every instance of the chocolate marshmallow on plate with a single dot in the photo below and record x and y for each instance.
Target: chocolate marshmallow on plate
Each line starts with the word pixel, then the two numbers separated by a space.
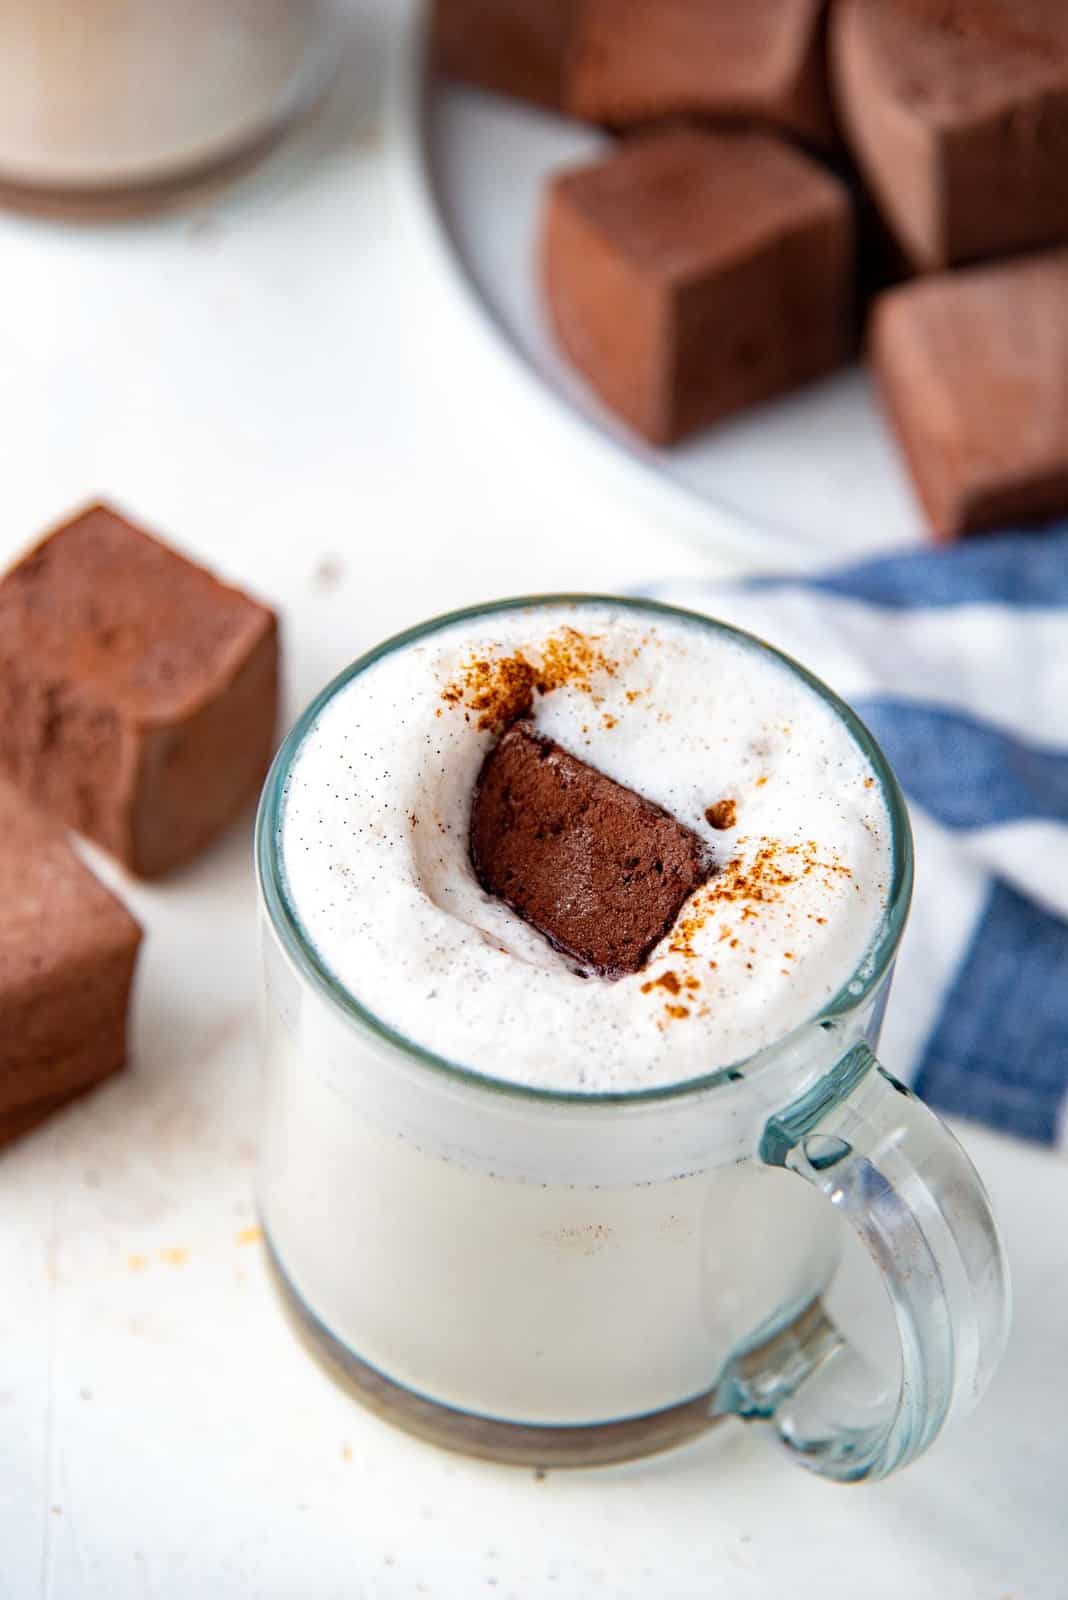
pixel 635 61
pixel 692 273
pixel 514 47
pixel 138 693
pixel 67 954
pixel 599 871
pixel 628 62
pixel 957 113
pixel 973 368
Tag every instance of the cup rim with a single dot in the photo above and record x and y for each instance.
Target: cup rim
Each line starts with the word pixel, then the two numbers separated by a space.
pixel 864 981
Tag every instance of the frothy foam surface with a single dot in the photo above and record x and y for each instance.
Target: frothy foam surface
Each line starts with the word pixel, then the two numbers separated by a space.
pixel 374 845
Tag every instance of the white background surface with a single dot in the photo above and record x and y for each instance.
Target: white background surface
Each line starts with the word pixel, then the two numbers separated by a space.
pixel 266 377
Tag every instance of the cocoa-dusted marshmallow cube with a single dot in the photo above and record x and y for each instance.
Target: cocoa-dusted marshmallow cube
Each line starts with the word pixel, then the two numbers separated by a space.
pixel 635 61
pixel 600 871
pixel 972 366
pixel 67 954
pixel 692 273
pixel 514 47
pixel 957 113
pixel 138 694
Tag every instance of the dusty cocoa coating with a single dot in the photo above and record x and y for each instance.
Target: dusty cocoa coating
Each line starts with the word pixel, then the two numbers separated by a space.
pixel 601 872
pixel 67 954
pixel 515 47
pixel 629 62
pixel 957 113
pixel 635 61
pixel 692 273
pixel 137 692
pixel 972 367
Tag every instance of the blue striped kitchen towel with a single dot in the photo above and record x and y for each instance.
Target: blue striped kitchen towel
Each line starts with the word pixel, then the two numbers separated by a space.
pixel 958 662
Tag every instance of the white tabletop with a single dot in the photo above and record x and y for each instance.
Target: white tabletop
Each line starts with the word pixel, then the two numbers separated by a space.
pixel 261 377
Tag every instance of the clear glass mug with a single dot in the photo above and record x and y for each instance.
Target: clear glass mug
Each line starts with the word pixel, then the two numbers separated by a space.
pixel 117 96
pixel 567 1279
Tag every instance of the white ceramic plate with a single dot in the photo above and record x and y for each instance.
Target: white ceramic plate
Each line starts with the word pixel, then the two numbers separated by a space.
pixel 809 479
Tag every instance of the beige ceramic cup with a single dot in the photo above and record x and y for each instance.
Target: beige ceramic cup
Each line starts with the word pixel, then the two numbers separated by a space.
pixel 133 97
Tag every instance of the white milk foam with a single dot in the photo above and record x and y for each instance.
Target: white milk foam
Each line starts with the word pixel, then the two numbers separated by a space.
pixel 374 846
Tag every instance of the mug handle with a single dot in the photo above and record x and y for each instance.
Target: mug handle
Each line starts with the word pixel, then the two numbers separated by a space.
pixel 894 1170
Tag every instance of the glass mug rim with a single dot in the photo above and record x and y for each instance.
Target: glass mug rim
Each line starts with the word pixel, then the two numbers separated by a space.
pixel 863 982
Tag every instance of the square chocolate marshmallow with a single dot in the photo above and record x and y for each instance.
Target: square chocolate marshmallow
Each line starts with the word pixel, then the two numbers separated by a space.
pixel 138 693
pixel 601 872
pixel 957 113
pixel 514 47
pixel 67 954
pixel 636 61
pixel 692 273
pixel 972 369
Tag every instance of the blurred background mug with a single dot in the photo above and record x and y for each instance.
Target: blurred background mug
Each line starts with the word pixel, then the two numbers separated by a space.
pixel 111 96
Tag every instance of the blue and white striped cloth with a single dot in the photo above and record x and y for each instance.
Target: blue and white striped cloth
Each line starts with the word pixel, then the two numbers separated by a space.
pixel 958 662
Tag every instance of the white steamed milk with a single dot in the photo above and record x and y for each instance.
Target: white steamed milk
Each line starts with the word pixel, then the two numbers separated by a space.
pixel 375 851
pixel 487 1251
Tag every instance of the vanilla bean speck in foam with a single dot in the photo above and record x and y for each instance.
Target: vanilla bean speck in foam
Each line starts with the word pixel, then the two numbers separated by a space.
pixel 376 824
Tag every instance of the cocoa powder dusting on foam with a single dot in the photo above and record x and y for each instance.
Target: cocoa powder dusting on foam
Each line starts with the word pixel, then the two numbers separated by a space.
pixel 744 885
pixel 571 657
pixel 666 980
pixel 723 815
pixel 673 985
pixel 748 884
pixel 499 690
